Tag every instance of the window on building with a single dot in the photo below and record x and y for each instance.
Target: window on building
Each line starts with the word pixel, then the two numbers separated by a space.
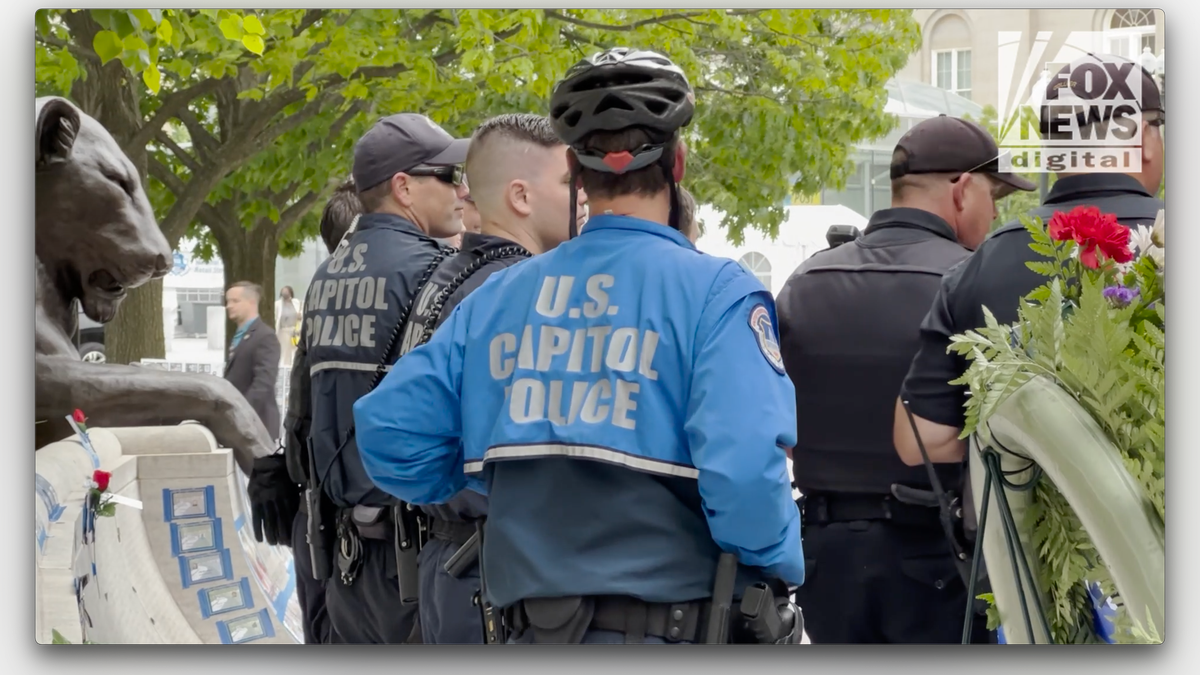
pixel 758 265
pixel 1130 32
pixel 952 71
pixel 204 295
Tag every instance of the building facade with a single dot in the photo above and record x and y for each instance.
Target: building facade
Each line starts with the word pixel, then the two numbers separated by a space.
pixel 960 49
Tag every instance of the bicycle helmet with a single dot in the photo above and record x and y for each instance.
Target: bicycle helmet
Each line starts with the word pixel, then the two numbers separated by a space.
pixel 618 89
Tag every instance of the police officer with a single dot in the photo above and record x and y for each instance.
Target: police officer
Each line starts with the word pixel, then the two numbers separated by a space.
pixel 996 276
pixel 276 483
pixel 408 174
pixel 596 391
pixel 520 191
pixel 879 563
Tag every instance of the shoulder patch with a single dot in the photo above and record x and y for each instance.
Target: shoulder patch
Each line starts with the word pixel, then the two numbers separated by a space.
pixel 764 332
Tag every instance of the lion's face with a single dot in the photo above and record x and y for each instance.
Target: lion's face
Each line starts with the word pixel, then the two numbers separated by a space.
pixel 96 231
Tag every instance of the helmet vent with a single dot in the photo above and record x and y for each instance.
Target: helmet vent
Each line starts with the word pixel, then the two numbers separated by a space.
pixel 611 102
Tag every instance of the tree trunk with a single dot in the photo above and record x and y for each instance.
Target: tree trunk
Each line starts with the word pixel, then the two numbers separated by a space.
pixel 248 255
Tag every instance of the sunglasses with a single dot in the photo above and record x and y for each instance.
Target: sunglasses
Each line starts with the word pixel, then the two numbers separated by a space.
pixel 447 174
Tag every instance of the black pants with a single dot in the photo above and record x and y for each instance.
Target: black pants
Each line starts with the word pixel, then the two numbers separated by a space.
pixel 877 582
pixel 369 610
pixel 309 591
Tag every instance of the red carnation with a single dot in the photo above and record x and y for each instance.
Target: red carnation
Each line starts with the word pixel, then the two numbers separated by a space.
pixel 78 416
pixel 1094 232
pixel 101 478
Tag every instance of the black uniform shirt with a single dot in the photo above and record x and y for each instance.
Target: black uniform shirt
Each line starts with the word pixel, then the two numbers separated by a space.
pixel 848 327
pixel 996 277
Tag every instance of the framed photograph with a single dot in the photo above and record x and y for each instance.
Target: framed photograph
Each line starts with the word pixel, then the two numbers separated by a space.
pixel 175 367
pixel 206 368
pixel 189 503
pixel 192 537
pixel 192 367
pixel 201 567
pixel 246 628
pixel 226 598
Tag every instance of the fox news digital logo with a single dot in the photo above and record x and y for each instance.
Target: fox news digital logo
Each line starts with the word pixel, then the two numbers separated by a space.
pixel 1086 117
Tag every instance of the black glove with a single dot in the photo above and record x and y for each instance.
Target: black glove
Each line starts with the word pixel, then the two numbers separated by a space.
pixel 274 500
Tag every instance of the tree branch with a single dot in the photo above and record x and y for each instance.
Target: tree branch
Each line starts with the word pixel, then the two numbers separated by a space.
pixel 296 211
pixel 166 176
pixel 205 143
pixel 172 105
pixel 553 14
pixel 181 154
pixel 76 50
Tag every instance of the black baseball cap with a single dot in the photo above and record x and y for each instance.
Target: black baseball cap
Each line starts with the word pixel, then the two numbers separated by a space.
pixel 1151 98
pixel 400 143
pixel 945 144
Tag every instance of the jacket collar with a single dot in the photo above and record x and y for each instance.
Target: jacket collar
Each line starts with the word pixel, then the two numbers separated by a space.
pixel 908 218
pixel 628 223
pixel 1073 188
pixel 390 221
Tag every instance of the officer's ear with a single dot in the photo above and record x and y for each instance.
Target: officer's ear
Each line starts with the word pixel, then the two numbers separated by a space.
pixel 680 157
pixel 401 190
pixel 517 195
pixel 958 191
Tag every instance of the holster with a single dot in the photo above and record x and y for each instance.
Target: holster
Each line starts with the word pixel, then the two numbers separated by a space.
pixel 322 535
pixel 409 533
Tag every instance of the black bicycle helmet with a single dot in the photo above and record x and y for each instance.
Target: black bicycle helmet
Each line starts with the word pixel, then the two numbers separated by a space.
pixel 618 89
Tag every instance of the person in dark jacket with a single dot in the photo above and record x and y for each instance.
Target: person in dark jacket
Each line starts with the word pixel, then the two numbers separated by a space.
pixel 279 515
pixel 520 190
pixel 253 365
pixel 997 277
pixel 881 570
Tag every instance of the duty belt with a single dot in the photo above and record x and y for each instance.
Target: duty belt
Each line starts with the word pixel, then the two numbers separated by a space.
pixel 822 508
pixel 636 619
pixel 455 532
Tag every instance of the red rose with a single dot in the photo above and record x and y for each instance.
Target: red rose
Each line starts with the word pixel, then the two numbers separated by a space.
pixel 100 478
pixel 1094 232
pixel 78 416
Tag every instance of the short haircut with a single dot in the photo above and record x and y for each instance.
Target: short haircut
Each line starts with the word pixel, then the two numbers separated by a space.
pixel 251 288
pixel 339 212
pixel 493 147
pixel 648 181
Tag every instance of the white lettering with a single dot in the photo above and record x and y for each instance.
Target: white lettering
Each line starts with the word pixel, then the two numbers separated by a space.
pixel 525 358
pixel 598 333
pixel 337 297
pixel 327 294
pixel 366 291
pixel 351 284
pixel 649 346
pixel 551 304
pixel 578 394
pixel 367 333
pixel 593 412
pixel 326 330
pixel 358 265
pixel 575 361
pixel 380 299
pixel 528 401
pixel 624 404
pixel 502 344
pixel 595 284
pixel 337 333
pixel 622 350
pixel 559 342
pixel 353 324
pixel 555 412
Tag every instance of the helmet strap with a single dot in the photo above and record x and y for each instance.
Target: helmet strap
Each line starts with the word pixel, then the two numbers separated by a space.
pixel 574 229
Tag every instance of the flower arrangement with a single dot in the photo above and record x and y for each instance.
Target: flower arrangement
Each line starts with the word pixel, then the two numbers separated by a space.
pixel 1097 330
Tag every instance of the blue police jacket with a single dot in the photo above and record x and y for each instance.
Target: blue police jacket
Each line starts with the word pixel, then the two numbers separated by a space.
pixel 622 402
pixel 353 306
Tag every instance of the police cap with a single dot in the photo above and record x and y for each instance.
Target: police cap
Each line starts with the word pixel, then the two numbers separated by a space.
pixel 946 144
pixel 400 143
